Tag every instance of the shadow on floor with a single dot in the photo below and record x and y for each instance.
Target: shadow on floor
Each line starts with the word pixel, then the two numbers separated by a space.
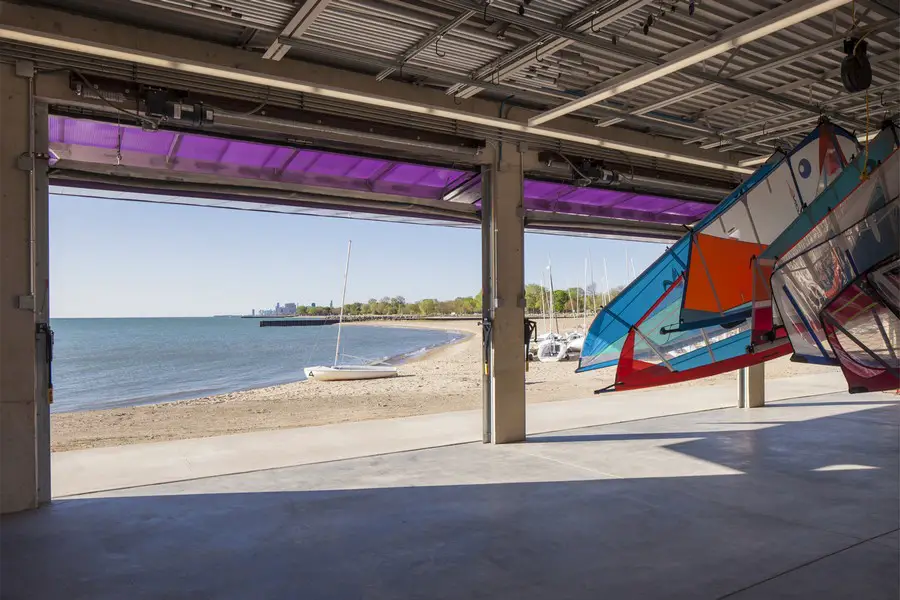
pixel 509 525
pixel 787 403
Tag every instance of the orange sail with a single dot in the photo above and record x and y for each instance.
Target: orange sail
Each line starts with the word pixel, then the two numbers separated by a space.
pixel 719 278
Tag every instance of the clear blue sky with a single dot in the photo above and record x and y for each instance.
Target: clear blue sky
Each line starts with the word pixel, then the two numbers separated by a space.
pixel 110 258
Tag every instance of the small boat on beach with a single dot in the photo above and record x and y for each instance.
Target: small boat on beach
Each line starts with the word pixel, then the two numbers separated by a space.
pixel 551 346
pixel 347 372
pixel 552 350
pixel 575 341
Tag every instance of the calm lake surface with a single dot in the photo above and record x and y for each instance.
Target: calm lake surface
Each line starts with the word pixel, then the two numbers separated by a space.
pixel 107 363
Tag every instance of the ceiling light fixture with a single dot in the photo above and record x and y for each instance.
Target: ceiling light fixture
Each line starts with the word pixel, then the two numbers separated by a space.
pixel 752 162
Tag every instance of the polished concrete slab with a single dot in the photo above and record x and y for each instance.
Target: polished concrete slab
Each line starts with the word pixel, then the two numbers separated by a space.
pixel 796 500
pixel 99 469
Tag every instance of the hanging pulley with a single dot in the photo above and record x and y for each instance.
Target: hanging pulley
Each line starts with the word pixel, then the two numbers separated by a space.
pixel 856 71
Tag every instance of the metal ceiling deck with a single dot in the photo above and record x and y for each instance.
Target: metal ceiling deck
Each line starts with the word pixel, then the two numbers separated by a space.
pixel 523 58
pixel 747 99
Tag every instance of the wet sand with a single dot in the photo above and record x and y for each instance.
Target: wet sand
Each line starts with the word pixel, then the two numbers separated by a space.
pixel 446 379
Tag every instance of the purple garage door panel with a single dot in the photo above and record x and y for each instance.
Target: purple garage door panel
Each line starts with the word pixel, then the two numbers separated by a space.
pixel 188 152
pixel 567 199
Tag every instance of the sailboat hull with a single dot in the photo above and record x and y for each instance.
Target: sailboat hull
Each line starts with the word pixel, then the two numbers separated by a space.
pixel 552 350
pixel 349 373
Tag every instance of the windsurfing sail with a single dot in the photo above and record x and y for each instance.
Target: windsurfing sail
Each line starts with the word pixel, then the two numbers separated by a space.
pixel 863 329
pixel 608 333
pixel 765 318
pixel 654 354
pixel 719 274
pixel 858 235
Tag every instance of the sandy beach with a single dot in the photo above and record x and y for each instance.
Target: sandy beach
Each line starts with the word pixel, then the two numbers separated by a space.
pixel 446 379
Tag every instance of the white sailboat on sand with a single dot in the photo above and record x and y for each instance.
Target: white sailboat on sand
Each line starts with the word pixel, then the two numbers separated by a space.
pixel 575 340
pixel 553 348
pixel 338 372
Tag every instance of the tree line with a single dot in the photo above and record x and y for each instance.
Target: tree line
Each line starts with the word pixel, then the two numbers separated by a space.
pixel 570 300
pixel 397 305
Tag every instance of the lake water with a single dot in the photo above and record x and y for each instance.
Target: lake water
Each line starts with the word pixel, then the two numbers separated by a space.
pixel 106 363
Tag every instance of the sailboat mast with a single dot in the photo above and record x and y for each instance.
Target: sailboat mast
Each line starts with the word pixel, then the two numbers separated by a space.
pixel 543 297
pixel 584 311
pixel 337 348
pixel 552 299
pixel 627 271
pixel 575 304
pixel 606 281
pixel 594 283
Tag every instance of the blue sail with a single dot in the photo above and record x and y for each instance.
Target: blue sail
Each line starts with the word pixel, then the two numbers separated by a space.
pixel 879 149
pixel 607 334
pixel 719 275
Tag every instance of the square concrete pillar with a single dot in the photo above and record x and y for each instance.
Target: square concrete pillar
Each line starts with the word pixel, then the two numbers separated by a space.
pixel 507 296
pixel 756 386
pixel 24 460
pixel 752 386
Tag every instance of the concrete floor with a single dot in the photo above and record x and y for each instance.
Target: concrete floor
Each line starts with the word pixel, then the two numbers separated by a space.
pixel 796 500
pixel 79 472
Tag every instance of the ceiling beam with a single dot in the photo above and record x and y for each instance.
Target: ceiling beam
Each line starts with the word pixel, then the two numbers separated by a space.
pixel 883 6
pixel 432 38
pixel 791 114
pixel 115 43
pixel 296 27
pixel 763 67
pixel 823 106
pixel 789 87
pixel 537 97
pixel 601 14
pixel 748 31
pixel 621 49
pixel 766 130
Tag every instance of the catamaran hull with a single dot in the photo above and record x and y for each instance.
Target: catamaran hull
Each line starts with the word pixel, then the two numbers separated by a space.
pixel 348 373
pixel 552 351
pixel 575 344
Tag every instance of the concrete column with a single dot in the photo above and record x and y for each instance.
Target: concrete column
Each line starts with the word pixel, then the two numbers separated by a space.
pixel 43 337
pixel 19 423
pixel 507 232
pixel 752 386
pixel 756 386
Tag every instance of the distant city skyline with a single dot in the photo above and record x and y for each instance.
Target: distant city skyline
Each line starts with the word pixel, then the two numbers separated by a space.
pixel 111 258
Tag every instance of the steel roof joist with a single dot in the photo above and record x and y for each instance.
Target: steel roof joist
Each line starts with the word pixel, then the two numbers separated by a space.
pixel 743 33
pixel 299 23
pixel 175 53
